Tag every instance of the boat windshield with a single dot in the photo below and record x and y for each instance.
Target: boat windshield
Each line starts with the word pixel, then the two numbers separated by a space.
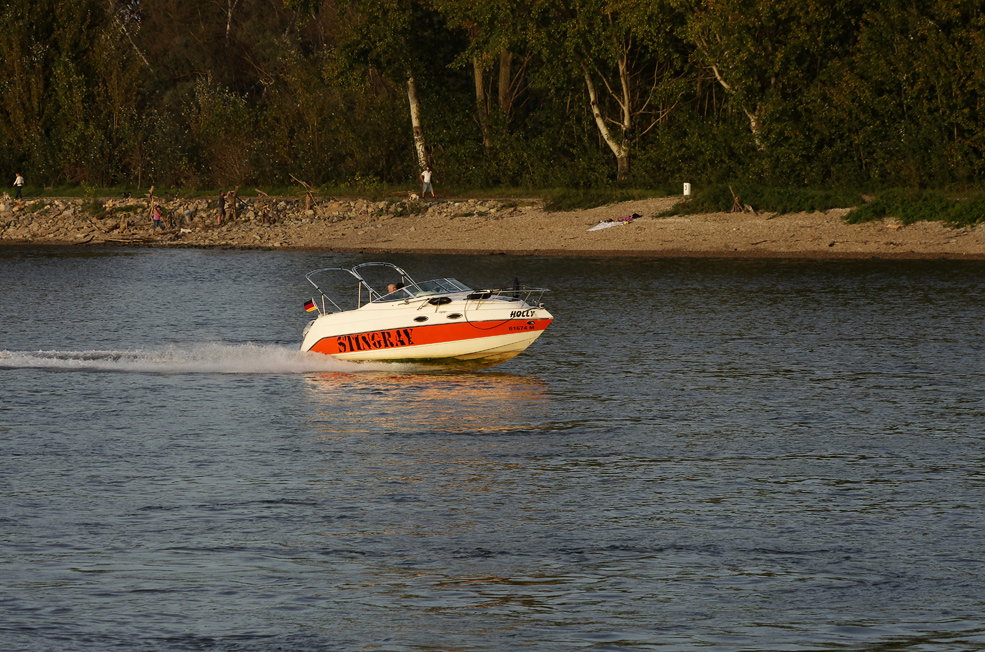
pixel 398 295
pixel 425 289
pixel 438 286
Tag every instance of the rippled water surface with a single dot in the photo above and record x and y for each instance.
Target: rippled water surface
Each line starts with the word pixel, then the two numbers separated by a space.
pixel 722 455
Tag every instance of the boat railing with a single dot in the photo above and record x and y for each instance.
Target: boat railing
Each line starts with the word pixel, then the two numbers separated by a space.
pixel 530 296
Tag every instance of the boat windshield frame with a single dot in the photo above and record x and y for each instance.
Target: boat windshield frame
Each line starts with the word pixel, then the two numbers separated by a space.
pixel 433 288
pixel 438 286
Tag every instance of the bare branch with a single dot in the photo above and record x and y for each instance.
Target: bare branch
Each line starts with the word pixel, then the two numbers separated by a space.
pixel 123 16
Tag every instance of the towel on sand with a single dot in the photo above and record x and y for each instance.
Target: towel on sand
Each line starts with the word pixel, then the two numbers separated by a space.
pixel 604 224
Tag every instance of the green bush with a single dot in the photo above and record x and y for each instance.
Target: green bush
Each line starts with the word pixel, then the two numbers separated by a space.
pixel 911 206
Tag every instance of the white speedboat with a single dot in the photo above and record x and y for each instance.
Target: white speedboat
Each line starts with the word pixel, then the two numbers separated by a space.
pixel 437 322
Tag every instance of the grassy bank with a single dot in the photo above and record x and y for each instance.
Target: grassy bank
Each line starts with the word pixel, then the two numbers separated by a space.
pixel 909 206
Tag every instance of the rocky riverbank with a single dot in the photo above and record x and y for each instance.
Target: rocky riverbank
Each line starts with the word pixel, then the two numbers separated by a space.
pixel 514 226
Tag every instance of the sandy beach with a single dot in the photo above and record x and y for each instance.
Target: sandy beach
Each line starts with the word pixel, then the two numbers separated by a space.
pixel 533 231
pixel 496 226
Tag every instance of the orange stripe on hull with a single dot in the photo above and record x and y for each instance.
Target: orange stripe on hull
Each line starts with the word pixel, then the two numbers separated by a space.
pixel 398 338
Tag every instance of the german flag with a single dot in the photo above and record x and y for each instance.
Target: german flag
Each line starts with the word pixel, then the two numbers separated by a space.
pixel 310 306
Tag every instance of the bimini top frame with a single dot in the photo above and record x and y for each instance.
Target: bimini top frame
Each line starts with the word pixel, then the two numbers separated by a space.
pixel 371 292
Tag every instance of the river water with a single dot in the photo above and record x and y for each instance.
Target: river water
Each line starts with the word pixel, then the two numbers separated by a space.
pixel 697 454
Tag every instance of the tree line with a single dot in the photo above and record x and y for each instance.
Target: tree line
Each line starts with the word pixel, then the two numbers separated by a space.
pixel 528 93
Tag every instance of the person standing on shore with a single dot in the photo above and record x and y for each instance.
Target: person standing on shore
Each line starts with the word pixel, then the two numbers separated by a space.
pixel 157 219
pixel 222 208
pixel 426 182
pixel 19 184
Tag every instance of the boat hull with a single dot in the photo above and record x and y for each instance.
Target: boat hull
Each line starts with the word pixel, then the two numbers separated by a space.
pixel 464 334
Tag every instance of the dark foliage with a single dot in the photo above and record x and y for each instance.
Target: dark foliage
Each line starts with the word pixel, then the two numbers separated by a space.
pixel 772 95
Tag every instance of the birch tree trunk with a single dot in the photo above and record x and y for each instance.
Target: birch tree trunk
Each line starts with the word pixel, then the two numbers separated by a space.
pixel 755 124
pixel 618 147
pixel 420 144
pixel 626 103
pixel 230 6
pixel 505 83
pixel 482 104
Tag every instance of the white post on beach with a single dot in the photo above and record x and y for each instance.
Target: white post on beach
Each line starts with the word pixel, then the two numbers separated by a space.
pixel 687 190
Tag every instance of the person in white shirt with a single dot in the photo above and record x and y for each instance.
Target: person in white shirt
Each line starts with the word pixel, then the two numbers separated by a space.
pixel 19 184
pixel 426 182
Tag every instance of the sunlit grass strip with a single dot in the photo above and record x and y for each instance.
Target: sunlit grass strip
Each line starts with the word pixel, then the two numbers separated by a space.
pixel 577 199
pixel 719 198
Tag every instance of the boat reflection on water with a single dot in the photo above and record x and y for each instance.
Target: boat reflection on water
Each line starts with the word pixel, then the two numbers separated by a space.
pixel 425 466
pixel 405 403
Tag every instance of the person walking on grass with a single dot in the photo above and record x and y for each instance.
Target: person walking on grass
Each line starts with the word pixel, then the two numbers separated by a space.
pixel 426 182
pixel 19 184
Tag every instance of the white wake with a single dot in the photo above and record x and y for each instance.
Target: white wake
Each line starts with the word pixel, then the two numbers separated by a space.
pixel 208 358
